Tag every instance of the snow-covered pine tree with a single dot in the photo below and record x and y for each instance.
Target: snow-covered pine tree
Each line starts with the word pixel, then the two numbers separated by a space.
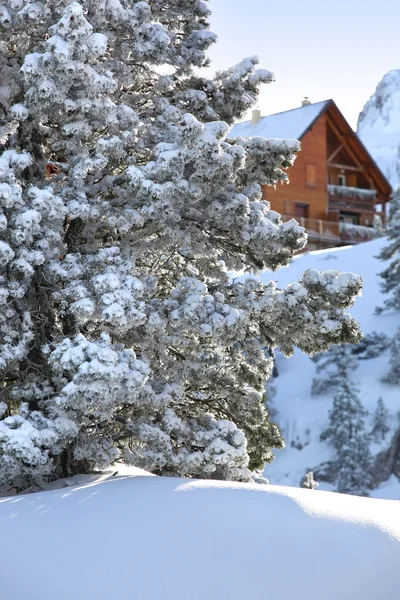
pixel 309 482
pixel 393 376
pixel 380 425
pixel 347 434
pixel 122 335
pixel 391 254
pixel 330 366
pixel 391 282
pixel 270 389
pixel 372 345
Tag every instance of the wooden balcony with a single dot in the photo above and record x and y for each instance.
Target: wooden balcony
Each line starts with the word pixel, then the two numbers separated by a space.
pixel 358 199
pixel 333 232
pixel 317 229
pixel 355 234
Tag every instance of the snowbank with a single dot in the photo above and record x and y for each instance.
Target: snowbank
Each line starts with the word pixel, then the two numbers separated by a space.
pixel 151 538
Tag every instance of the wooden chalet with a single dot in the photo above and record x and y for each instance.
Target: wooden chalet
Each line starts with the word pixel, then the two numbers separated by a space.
pixel 336 190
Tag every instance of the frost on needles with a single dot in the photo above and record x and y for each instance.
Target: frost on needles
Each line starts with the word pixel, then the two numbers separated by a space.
pixel 122 334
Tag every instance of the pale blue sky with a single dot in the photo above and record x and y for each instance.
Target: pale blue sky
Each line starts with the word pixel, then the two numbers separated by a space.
pixel 336 49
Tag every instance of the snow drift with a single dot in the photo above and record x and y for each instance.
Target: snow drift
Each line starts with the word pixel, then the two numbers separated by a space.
pixel 151 538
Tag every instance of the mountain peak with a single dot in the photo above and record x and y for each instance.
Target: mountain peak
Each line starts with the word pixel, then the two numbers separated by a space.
pixel 379 125
pixel 381 114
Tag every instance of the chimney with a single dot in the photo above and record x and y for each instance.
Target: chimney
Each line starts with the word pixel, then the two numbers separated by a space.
pixel 306 101
pixel 255 116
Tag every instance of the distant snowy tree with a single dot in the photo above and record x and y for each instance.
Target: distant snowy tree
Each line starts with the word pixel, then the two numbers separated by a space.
pixel 270 397
pixel 309 482
pixel 330 366
pixel 347 434
pixel 380 425
pixel 391 255
pixel 391 283
pixel 393 376
pixel 275 372
pixel 124 206
pixel 372 345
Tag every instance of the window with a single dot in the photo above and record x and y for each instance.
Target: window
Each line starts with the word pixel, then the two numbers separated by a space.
pixel 348 218
pixel 341 179
pixel 311 174
pixel 301 210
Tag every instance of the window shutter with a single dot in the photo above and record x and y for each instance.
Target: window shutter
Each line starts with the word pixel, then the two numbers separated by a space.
pixel 311 174
pixel 287 207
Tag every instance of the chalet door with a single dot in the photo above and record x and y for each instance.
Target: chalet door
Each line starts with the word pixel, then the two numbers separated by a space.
pixel 301 210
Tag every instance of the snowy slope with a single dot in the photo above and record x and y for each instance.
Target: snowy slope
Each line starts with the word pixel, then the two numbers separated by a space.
pixel 379 125
pixel 153 538
pixel 302 417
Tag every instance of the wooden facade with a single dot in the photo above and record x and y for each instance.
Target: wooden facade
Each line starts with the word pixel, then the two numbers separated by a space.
pixel 336 190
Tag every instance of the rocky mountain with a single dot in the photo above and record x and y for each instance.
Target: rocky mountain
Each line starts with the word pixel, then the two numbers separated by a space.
pixel 379 125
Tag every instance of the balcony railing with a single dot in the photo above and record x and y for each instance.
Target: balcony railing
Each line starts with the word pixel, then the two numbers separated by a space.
pixel 334 232
pixel 318 229
pixel 351 192
pixel 341 195
pixel 357 233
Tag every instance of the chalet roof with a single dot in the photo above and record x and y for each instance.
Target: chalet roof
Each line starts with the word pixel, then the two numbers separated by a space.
pixel 287 125
pixel 294 124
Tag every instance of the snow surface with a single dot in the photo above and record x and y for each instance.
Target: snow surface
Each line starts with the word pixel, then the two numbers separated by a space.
pixel 92 478
pixel 155 538
pixel 290 124
pixel 379 125
pixel 302 417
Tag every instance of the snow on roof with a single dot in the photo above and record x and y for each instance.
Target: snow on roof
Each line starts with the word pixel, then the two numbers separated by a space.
pixel 153 538
pixel 291 124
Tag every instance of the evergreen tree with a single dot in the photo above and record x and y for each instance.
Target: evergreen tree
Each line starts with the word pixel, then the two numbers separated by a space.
pixel 332 364
pixel 381 421
pixel 391 282
pixel 393 376
pixel 124 206
pixel 309 482
pixel 372 345
pixel 391 252
pixel 271 392
pixel 347 434
pixel 329 364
